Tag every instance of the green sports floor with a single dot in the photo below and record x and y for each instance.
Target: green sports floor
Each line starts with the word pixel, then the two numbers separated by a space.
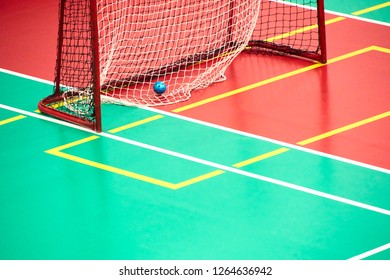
pixel 162 186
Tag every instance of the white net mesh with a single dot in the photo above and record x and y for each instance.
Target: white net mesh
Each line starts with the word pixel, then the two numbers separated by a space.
pixel 185 44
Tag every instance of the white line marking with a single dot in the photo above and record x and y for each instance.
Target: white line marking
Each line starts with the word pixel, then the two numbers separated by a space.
pixel 291 146
pixel 247 134
pixel 26 76
pixel 208 163
pixel 358 18
pixel 336 13
pixel 371 252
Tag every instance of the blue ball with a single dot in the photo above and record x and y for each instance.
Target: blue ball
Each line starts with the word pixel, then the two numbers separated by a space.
pixel 159 87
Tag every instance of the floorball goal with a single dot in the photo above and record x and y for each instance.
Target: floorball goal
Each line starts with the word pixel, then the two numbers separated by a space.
pixel 117 50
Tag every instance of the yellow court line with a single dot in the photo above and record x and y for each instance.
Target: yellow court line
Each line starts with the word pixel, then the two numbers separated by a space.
pixel 356 124
pixel 276 78
pixel 303 29
pixel 112 169
pixel 312 139
pixel 380 49
pixel 352 54
pixel 260 157
pixel 292 33
pixel 13 119
pixel 370 9
pixel 133 124
pixel 72 144
pixel 334 20
pixel 199 179
pixel 57 151
pixel 261 83
pixel 343 129
pixel 247 88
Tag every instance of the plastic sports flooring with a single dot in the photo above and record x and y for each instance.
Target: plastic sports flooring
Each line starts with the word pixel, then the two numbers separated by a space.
pixel 287 159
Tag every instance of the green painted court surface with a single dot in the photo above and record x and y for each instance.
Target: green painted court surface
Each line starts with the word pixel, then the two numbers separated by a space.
pixel 103 198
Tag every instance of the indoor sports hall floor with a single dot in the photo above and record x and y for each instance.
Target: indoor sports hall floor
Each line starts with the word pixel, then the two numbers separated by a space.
pixel 287 159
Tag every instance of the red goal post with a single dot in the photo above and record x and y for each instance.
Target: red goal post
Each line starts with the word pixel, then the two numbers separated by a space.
pixel 115 50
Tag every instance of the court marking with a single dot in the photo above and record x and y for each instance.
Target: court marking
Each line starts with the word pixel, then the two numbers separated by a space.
pixel 354 14
pixel 208 163
pixel 303 142
pixel 246 88
pixel 58 151
pixel 371 9
pixel 371 252
pixel 361 12
pixel 313 139
pixel 28 77
pixel 13 119
pixel 261 157
pixel 327 22
pixel 274 141
pixel 134 124
pixel 303 29
pixel 343 129
pixel 109 168
pixel 278 78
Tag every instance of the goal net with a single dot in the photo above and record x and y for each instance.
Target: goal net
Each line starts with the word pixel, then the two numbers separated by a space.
pixel 116 50
pixel 294 27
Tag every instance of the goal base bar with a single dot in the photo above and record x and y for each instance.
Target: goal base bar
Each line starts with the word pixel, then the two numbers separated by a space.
pixel 267 47
pixel 50 107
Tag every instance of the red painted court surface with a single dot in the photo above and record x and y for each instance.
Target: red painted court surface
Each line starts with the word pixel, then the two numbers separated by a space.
pixel 334 117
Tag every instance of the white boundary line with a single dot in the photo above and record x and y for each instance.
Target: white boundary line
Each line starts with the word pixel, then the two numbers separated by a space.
pixel 208 163
pixel 335 13
pixel 26 76
pixel 246 134
pixel 360 17
pixel 357 18
pixel 371 252
pixel 291 146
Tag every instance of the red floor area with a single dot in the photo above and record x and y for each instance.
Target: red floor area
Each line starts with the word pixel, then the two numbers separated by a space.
pixel 367 143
